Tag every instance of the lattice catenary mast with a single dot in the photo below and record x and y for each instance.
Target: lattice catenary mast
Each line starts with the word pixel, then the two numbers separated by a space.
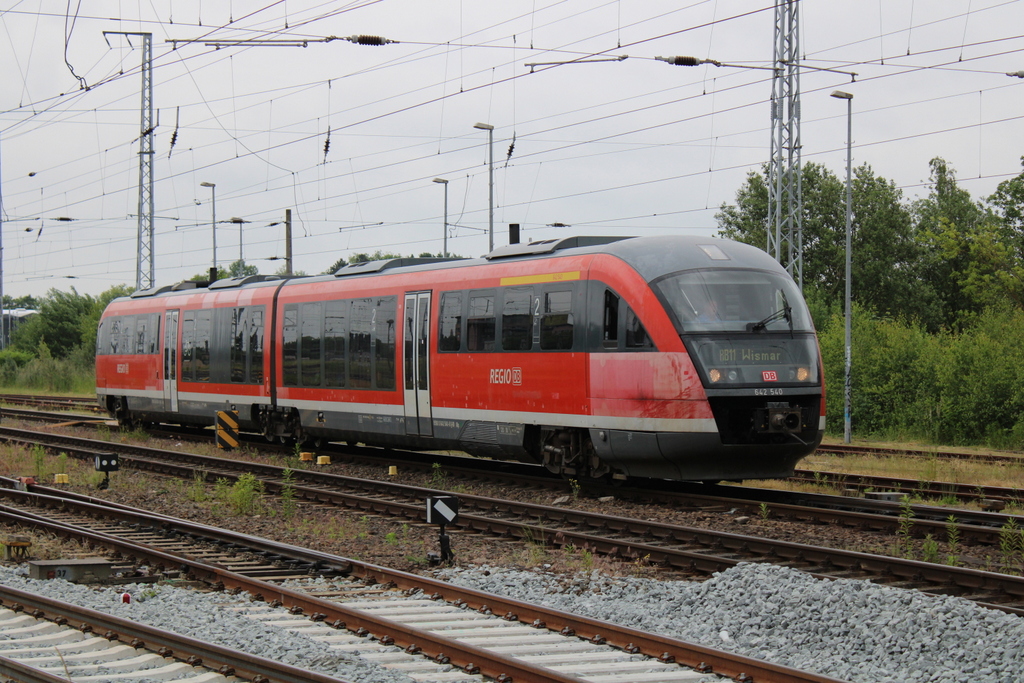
pixel 785 200
pixel 144 268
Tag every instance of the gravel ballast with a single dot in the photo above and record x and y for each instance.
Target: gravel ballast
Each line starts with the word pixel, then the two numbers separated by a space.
pixel 848 629
pixel 205 616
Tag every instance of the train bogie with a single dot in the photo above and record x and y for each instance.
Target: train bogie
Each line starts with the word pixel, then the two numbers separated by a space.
pixel 672 357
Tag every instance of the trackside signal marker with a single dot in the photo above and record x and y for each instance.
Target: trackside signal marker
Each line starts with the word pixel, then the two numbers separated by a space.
pixel 227 429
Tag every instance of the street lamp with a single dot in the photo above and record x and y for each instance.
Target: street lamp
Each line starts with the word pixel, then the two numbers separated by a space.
pixel 839 94
pixel 213 225
pixel 445 183
pixel 490 183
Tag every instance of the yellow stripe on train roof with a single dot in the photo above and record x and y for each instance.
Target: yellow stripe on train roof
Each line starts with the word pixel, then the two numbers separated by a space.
pixel 537 279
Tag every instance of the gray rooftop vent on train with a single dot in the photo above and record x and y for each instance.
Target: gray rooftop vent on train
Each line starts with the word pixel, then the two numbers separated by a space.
pixel 549 246
pixel 229 282
pixel 385 264
pixel 181 286
pixel 140 293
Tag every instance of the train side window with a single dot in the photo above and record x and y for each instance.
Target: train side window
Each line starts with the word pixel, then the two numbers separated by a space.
pixel 255 351
pixel 102 337
pixel 127 344
pixel 335 332
pixel 153 340
pixel 202 348
pixel 450 325
pixel 636 335
pixel 384 342
pixel 516 321
pixel 480 323
pixel 114 335
pixel 310 343
pixel 359 344
pixel 290 346
pixel 238 339
pixel 556 325
pixel 188 344
pixel 610 333
pixel 140 334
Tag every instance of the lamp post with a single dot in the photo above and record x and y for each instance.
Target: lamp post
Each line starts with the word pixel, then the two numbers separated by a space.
pixel 839 94
pixel 490 183
pixel 445 183
pixel 213 225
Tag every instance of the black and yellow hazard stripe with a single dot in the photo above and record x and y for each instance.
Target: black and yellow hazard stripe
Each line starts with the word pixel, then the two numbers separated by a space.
pixel 227 429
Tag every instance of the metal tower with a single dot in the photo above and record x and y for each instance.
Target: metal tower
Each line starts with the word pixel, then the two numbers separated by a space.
pixel 785 201
pixel 144 269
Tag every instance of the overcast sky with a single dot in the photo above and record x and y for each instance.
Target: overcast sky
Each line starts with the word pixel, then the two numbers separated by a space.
pixel 633 146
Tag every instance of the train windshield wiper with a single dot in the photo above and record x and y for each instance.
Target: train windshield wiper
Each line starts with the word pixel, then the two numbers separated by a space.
pixel 784 312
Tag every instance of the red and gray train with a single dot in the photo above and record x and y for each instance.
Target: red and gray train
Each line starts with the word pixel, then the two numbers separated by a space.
pixel 671 357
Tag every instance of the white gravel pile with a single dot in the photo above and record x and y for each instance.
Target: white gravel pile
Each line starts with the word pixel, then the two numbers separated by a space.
pixel 202 616
pixel 847 629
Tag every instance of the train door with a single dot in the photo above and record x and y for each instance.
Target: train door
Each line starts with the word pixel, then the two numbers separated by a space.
pixel 417 366
pixel 171 360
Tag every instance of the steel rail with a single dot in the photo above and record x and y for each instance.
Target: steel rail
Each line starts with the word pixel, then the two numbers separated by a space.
pixel 632 640
pixel 22 673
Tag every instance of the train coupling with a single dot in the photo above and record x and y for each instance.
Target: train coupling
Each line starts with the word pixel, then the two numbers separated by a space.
pixel 784 420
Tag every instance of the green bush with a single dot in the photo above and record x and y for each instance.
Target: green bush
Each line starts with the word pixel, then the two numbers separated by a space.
pixel 951 388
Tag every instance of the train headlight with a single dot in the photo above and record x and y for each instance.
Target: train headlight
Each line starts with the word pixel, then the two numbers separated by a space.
pixel 715 374
pixel 803 374
pixel 733 375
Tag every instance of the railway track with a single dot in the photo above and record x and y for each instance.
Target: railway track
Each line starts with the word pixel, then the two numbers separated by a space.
pixel 59 402
pixel 686 549
pixel 434 630
pixel 49 641
pixel 993 498
pixel 848 449
pixel 842 481
pixel 974 527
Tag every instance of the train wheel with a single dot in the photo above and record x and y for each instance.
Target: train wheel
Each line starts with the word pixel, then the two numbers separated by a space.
pixel 124 417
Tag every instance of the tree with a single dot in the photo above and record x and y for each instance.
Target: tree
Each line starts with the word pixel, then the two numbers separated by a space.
pixel 946 222
pixel 239 268
pixel 28 301
pixel 1008 203
pixel 58 325
pixel 884 253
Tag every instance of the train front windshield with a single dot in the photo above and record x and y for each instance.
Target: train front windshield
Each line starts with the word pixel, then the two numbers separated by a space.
pixel 743 327
pixel 735 301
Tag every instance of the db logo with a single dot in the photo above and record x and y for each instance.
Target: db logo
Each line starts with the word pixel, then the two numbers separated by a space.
pixel 517 376
pixel 769 376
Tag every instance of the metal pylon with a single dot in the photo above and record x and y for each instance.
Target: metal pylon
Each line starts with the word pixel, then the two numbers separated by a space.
pixel 144 267
pixel 785 201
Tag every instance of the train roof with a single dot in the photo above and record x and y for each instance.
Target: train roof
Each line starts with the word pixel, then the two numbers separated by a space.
pixel 652 257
